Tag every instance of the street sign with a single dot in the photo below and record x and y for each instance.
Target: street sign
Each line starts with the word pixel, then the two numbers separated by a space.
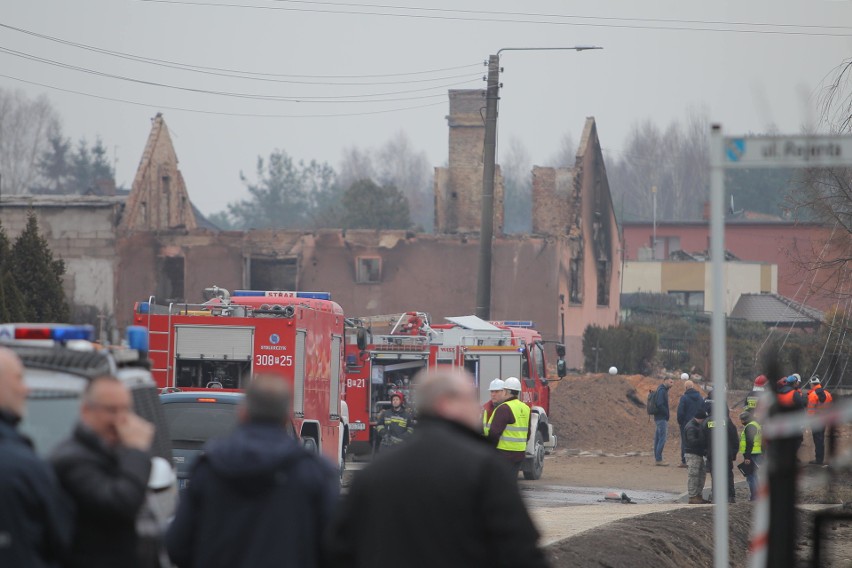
pixel 787 151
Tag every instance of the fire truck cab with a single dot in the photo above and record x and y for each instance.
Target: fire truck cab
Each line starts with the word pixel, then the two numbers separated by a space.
pixel 380 361
pixel 222 342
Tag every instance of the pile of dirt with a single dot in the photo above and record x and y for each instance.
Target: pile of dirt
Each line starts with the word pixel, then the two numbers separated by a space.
pixel 683 538
pixel 605 412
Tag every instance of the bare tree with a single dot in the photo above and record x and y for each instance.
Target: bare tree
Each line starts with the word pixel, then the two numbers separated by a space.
pixel 566 155
pixel 516 167
pixel 825 196
pixel 397 163
pixel 26 126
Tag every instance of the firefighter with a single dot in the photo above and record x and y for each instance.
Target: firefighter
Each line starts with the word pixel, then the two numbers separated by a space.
pixel 509 426
pixel 395 424
pixel 756 392
pixel 498 395
pixel 818 400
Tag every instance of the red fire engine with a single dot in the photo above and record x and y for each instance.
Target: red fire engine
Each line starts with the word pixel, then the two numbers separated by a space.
pixel 383 353
pixel 222 342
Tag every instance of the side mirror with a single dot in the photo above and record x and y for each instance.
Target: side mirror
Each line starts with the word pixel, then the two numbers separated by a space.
pixel 361 338
pixel 560 351
pixel 561 368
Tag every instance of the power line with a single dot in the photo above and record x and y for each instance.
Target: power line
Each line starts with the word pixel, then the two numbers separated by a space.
pixel 510 21
pixel 362 98
pixel 218 113
pixel 250 75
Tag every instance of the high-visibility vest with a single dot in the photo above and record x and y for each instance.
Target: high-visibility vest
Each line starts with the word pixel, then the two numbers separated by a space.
pixel 514 437
pixel 786 399
pixel 486 420
pixel 813 400
pixel 756 447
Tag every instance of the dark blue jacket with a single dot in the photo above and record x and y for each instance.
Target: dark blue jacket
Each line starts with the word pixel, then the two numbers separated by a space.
pixel 255 499
pixel 662 403
pixel 35 518
pixel 690 403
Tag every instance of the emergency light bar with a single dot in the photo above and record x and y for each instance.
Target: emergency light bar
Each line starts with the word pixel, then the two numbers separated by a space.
pixel 282 294
pixel 518 323
pixel 48 332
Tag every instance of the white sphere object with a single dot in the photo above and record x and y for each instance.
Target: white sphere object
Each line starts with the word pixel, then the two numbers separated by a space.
pixel 684 376
pixel 613 371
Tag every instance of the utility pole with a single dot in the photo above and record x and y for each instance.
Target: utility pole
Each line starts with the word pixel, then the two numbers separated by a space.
pixel 486 230
pixel 489 158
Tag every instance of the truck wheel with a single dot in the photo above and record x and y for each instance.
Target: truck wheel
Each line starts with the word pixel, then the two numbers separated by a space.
pixel 535 465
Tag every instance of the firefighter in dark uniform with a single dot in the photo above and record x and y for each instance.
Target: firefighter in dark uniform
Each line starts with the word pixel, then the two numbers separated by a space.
pixel 395 424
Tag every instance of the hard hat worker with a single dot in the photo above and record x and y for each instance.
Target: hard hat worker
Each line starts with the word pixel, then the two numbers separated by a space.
pixel 498 395
pixel 509 425
pixel 395 424
pixel 468 509
pixel 756 392
pixel 751 447
pixel 818 399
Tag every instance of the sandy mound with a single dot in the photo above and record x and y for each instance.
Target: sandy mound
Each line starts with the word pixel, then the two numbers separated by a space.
pixel 606 412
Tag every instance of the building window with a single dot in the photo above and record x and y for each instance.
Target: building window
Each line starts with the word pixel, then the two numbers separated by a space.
pixel 603 282
pixel 689 300
pixel 665 246
pixel 170 278
pixel 273 273
pixel 575 281
pixel 368 269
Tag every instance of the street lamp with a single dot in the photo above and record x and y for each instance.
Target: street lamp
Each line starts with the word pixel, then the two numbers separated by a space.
pixel 492 95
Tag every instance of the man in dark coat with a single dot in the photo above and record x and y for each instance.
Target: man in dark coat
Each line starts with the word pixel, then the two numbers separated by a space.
pixel 104 468
pixel 690 403
pixel 661 420
pixel 35 518
pixel 445 498
pixel 695 447
pixel 256 498
pixel 733 450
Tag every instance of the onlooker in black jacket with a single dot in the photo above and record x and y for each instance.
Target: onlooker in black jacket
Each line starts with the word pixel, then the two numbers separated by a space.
pixel 464 503
pixel 661 420
pixel 35 518
pixel 733 450
pixel 695 448
pixel 256 498
pixel 690 403
pixel 104 468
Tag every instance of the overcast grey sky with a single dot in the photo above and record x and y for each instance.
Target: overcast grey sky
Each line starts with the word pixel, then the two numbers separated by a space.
pixel 748 77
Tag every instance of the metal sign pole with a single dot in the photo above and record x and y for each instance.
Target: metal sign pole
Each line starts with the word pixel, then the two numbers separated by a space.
pixel 721 463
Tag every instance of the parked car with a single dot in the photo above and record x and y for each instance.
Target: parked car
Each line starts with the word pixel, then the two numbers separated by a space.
pixel 59 361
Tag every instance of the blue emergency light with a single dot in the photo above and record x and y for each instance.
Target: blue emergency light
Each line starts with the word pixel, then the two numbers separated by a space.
pixel 56 332
pixel 144 308
pixel 137 337
pixel 282 294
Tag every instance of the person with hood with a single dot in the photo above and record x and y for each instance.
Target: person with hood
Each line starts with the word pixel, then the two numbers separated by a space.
pixel 35 519
pixel 458 505
pixel 256 497
pixel 395 424
pixel 690 403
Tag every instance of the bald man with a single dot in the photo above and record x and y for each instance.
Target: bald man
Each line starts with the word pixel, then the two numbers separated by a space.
pixel 104 467
pixel 35 519
pixel 444 498
pixel 690 403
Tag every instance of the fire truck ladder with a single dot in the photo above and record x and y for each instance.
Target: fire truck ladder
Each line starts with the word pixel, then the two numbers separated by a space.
pixel 166 333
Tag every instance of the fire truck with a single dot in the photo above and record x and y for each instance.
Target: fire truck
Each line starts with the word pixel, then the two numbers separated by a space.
pixel 222 342
pixel 383 353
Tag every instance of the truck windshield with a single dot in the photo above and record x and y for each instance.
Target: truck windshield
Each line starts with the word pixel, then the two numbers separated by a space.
pixel 193 423
pixel 50 419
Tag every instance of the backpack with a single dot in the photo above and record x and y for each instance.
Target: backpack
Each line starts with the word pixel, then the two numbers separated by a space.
pixel 651 401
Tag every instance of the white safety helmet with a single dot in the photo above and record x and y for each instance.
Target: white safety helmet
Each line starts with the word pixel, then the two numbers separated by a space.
pixel 512 384
pixel 496 385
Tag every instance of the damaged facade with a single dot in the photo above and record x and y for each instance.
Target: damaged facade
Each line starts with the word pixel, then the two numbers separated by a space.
pixel 563 277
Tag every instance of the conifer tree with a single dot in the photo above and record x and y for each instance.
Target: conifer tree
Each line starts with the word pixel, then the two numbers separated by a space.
pixel 11 299
pixel 39 276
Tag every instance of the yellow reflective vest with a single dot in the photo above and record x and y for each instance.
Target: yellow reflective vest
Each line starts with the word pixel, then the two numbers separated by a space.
pixel 514 437
pixel 756 446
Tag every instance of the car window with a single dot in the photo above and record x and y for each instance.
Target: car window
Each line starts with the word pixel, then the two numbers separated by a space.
pixel 193 423
pixel 50 418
